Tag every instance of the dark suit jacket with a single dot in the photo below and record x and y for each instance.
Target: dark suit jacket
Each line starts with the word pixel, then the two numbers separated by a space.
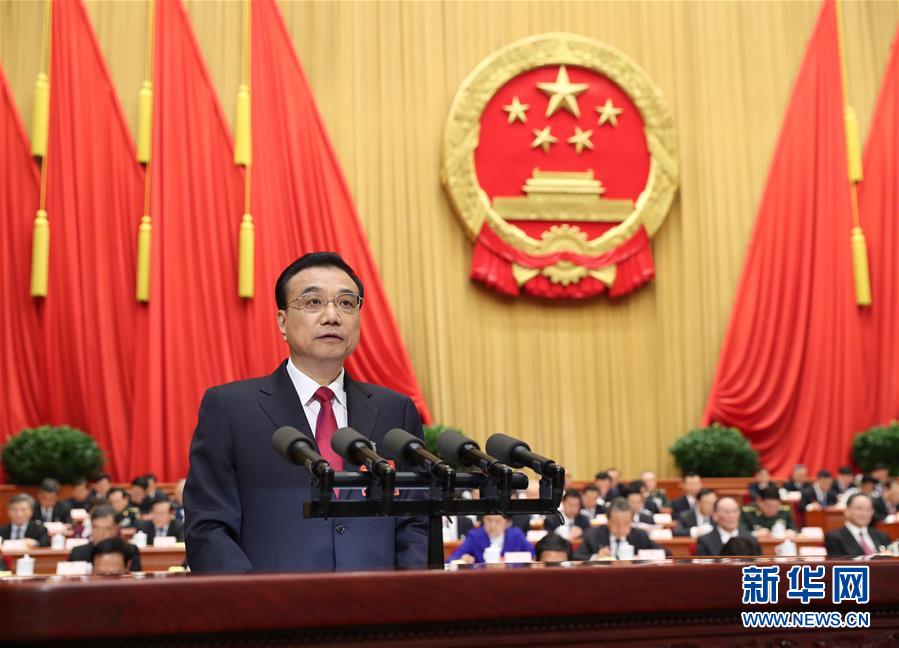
pixel 791 485
pixel 60 513
pixel 243 503
pixel 34 530
pixel 710 544
pixel 679 505
pixel 685 522
pixel 809 497
pixel 880 510
pixel 755 488
pixel 598 537
pixel 554 521
pixel 176 529
pixel 85 552
pixel 841 542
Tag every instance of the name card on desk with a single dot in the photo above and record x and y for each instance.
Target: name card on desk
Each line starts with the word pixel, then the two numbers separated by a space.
pixel 71 543
pixel 164 541
pixel 812 533
pixel 74 568
pixel 661 518
pixel 15 546
pixel 518 557
pixel 79 514
pixel 660 534
pixel 55 527
pixel 652 554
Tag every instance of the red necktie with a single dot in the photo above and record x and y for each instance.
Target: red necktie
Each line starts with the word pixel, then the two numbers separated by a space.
pixel 325 427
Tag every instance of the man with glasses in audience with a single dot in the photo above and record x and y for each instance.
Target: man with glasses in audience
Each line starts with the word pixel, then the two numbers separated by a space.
pixel 242 501
pixel 726 516
pixel 857 537
pixel 22 526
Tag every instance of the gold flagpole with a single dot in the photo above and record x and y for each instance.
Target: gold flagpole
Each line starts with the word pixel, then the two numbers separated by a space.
pixel 144 147
pixel 243 151
pixel 854 171
pixel 40 251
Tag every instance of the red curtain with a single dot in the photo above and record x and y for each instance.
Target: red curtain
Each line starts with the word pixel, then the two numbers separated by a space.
pixel 301 203
pixel 20 368
pixel 789 374
pixel 94 198
pixel 879 206
pixel 188 333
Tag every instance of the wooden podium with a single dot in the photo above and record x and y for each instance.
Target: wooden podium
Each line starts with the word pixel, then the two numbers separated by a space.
pixel 680 602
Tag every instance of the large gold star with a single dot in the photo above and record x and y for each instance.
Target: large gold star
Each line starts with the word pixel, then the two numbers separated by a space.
pixel 608 113
pixel 562 93
pixel 516 110
pixel 581 140
pixel 544 139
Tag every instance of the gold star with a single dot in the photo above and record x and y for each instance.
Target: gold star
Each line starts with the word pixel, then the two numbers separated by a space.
pixel 516 110
pixel 543 138
pixel 581 139
pixel 608 113
pixel 562 93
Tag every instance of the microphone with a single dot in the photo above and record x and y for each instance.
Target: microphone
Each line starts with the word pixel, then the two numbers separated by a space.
pixel 459 449
pixel 405 447
pixel 296 447
pixel 356 449
pixel 518 454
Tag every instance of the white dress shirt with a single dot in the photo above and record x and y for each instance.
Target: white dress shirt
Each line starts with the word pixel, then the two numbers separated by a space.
pixel 862 532
pixel 727 535
pixel 306 388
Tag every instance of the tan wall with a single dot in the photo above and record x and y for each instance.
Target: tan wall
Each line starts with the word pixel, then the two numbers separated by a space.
pixel 594 383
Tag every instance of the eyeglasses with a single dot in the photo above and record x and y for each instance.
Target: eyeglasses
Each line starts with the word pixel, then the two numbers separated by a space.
pixel 348 302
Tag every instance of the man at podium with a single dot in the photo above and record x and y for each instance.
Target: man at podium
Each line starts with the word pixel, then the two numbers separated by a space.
pixel 243 503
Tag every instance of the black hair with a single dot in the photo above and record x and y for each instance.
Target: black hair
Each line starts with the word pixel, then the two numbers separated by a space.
pixel 869 479
pixel 591 487
pixel 150 476
pixel 602 475
pixel 880 465
pixel 822 474
pixel 738 546
pixel 572 492
pixel 111 546
pixel 553 542
pixel 845 470
pixel 690 474
pixel 81 481
pixel 50 485
pixel 312 260
pixel 703 492
pixel 102 511
pixel 161 501
pixel 101 476
pixel 770 493
pixel 117 490
pixel 140 482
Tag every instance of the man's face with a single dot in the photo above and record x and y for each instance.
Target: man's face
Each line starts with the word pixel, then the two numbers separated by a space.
pixel 800 475
pixel 613 475
pixel 692 485
pixel 101 486
pixel 881 474
pixel 103 528
pixel 603 485
pixel 649 480
pixel 763 476
pixel 118 501
pixel 727 515
pixel 161 514
pixel 20 513
pixel 825 483
pixel 860 511
pixel 80 492
pixel 571 506
pixel 769 507
pixel 110 564
pixel 494 525
pixel 635 500
pixel 707 504
pixel 151 484
pixel 845 479
pixel 330 335
pixel 589 499
pixel 892 493
pixel 619 523
pixel 137 493
pixel 47 498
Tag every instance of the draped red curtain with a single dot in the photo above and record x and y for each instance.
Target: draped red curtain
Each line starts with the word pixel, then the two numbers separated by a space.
pixel 789 375
pixel 94 198
pixel 301 203
pixel 188 333
pixel 879 206
pixel 20 368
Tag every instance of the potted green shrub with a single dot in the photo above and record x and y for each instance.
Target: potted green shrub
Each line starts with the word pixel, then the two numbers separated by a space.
pixel 61 452
pixel 879 444
pixel 715 451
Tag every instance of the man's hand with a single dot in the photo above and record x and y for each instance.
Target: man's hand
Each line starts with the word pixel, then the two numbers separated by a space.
pixel 467 558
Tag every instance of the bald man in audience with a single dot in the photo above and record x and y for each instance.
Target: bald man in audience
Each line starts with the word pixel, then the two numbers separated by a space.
pixel 104 527
pixel 698 521
pixel 726 516
pixel 691 485
pixel 606 541
pixel 857 537
pixel 22 526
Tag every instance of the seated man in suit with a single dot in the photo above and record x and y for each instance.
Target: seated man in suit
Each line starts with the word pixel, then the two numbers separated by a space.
pixel 553 548
pixel 22 525
pixel 698 521
pixel 655 495
pixel 81 496
pixel 633 493
pixel 141 497
pixel 243 501
pixel 844 482
pixel 495 534
pixel 126 514
pixel 571 523
pixel 857 537
pixel 691 485
pixel 590 506
pixel 769 517
pixel 110 557
pixel 881 473
pixel 726 515
pixel 820 495
pixel 798 480
pixel 49 508
pixel 762 481
pixel 891 499
pixel 103 527
pixel 162 523
pixel 606 541
pixel 603 482
pixel 100 490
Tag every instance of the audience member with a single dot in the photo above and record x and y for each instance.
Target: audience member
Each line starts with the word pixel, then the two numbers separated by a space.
pixel 856 537
pixel 868 486
pixel 162 523
pixel 590 507
pixel 103 527
pixel 615 479
pixel 81 496
pixel 607 540
pixel 691 485
pixel 798 480
pixel 845 480
pixel 49 508
pixel 726 515
pixel 553 548
pixel 762 481
pixel 698 521
pixel 22 525
pixel 100 490
pixel 634 496
pixel 741 546
pixel 127 515
pixel 495 534
pixel 110 557
pixel 769 517
pixel 891 498
pixel 820 495
pixel 881 472
pixel 603 482
pixel 570 523
pixel 139 494
pixel 657 496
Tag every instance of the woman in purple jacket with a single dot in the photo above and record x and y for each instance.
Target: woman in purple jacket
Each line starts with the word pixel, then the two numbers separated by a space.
pixel 495 531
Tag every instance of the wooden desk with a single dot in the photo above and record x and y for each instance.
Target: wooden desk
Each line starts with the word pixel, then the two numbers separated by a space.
pixel 833 518
pixel 694 603
pixel 151 558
